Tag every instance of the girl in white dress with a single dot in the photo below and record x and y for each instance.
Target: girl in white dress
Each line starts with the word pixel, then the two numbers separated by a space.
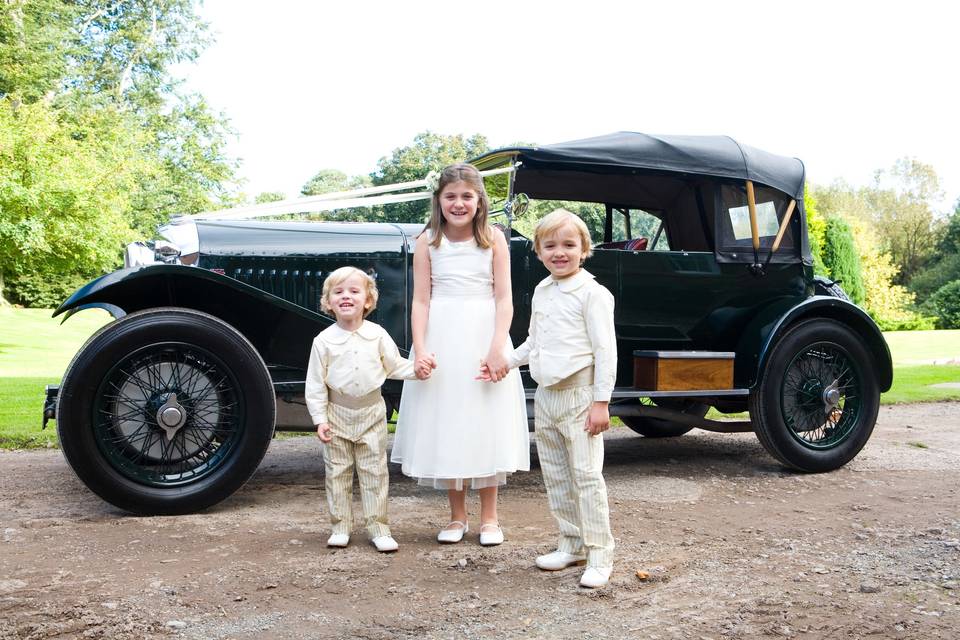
pixel 454 431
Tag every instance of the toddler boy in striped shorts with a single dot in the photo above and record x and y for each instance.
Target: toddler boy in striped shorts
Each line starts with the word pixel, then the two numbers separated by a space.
pixel 348 363
pixel 572 353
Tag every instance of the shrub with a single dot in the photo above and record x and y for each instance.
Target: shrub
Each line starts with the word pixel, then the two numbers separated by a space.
pixel 42 290
pixel 946 303
pixel 842 260
pixel 946 269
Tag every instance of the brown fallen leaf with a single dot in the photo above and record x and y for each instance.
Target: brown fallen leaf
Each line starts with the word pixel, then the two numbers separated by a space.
pixel 643 575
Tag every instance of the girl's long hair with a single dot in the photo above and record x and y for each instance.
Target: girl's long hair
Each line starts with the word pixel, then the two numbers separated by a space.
pixel 469 174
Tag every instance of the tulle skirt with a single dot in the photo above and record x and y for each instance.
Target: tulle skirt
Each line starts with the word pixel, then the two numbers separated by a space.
pixel 453 431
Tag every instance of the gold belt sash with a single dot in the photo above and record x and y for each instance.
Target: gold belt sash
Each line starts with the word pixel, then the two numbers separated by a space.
pixel 354 402
pixel 581 378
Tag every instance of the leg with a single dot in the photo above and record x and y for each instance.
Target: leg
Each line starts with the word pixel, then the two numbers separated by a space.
pixel 488 505
pixel 338 465
pixel 374 479
pixel 557 476
pixel 586 461
pixel 458 505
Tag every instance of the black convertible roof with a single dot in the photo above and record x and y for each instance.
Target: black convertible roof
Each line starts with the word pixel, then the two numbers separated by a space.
pixel 719 156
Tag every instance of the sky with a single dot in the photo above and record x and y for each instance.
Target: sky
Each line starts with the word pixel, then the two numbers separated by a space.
pixel 847 87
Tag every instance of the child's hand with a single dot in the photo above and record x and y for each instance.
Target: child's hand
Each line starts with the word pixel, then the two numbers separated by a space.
pixel 324 432
pixel 598 418
pixel 424 366
pixel 484 374
pixel 497 366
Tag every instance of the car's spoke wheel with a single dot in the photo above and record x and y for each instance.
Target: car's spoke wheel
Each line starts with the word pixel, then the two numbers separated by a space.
pixel 166 411
pixel 817 402
pixel 661 428
pixel 168 414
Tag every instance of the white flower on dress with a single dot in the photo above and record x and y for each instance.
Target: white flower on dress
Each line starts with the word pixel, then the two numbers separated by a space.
pixel 433 181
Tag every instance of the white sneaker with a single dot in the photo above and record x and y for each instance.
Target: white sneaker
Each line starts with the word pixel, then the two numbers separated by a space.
pixel 338 540
pixel 492 536
pixel 556 560
pixel 450 536
pixel 595 577
pixel 385 543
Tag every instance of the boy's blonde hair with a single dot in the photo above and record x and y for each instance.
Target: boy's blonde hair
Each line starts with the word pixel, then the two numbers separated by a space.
pixel 339 276
pixel 481 228
pixel 553 221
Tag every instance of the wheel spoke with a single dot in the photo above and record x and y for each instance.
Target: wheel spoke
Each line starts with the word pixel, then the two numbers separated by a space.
pixel 136 389
pixel 805 410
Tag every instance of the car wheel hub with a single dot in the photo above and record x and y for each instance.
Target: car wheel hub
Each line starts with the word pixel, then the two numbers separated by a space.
pixel 171 416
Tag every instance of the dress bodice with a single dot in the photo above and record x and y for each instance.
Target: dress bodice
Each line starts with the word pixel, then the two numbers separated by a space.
pixel 460 269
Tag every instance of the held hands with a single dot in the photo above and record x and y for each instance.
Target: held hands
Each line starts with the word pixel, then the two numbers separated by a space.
pixel 494 367
pixel 598 418
pixel 325 432
pixel 424 366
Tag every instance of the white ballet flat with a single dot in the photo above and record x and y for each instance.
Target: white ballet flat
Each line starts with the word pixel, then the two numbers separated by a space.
pixel 451 536
pixel 491 538
pixel 385 543
pixel 338 540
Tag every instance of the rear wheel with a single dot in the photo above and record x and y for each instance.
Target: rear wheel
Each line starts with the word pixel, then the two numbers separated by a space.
pixel 166 411
pixel 817 402
pixel 662 428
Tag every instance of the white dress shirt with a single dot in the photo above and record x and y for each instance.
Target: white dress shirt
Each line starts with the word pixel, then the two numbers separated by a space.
pixel 571 327
pixel 353 363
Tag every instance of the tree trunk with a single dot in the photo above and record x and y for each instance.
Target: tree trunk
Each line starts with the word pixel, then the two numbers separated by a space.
pixel 3 300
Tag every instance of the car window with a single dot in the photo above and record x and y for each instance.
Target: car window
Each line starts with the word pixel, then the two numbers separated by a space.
pixel 633 224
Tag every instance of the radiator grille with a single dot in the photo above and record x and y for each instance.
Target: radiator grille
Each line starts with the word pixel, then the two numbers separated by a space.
pixel 299 287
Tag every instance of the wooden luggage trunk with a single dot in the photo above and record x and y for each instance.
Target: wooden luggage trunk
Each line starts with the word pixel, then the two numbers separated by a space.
pixel 683 370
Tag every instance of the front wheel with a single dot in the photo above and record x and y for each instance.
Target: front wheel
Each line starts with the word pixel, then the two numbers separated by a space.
pixel 166 411
pixel 816 403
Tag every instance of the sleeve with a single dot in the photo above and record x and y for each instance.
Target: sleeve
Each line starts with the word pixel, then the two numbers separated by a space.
pixel 395 366
pixel 315 392
pixel 521 355
pixel 603 341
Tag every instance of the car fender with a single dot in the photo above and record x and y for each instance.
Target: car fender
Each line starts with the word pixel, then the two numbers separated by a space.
pixel 280 330
pixel 762 333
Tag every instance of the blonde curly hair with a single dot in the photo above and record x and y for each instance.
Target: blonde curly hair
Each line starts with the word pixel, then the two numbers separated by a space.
pixel 341 274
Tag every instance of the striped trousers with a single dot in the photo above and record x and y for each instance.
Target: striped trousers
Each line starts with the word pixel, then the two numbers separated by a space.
pixel 572 465
pixel 359 440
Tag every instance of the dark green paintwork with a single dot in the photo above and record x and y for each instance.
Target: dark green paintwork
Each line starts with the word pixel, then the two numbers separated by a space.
pixel 665 301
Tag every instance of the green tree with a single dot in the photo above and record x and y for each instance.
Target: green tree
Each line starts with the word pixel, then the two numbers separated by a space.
pixel 946 304
pixel 429 152
pixel 816 230
pixel 91 80
pixel 887 303
pixel 944 267
pixel 331 180
pixel 841 258
pixel 269 196
pixel 62 199
pixel 35 40
pixel 900 205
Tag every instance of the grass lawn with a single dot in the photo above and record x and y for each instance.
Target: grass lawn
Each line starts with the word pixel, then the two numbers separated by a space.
pixel 35 349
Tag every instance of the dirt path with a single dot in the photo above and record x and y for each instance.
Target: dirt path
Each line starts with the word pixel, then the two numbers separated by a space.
pixel 735 547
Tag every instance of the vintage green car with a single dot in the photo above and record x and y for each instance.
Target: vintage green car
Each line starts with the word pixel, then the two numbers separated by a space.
pixel 171 407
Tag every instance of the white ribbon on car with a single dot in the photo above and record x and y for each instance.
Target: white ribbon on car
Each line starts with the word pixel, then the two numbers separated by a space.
pixel 364 197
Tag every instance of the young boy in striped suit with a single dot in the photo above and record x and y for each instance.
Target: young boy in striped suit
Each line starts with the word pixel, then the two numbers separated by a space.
pixel 348 363
pixel 572 352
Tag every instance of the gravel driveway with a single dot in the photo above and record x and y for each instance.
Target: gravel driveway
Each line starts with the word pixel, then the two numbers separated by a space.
pixel 730 545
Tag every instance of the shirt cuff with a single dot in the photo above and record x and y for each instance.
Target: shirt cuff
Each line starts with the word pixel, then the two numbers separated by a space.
pixel 602 395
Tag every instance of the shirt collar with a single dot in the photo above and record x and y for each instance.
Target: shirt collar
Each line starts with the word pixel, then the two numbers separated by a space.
pixel 334 334
pixel 567 285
